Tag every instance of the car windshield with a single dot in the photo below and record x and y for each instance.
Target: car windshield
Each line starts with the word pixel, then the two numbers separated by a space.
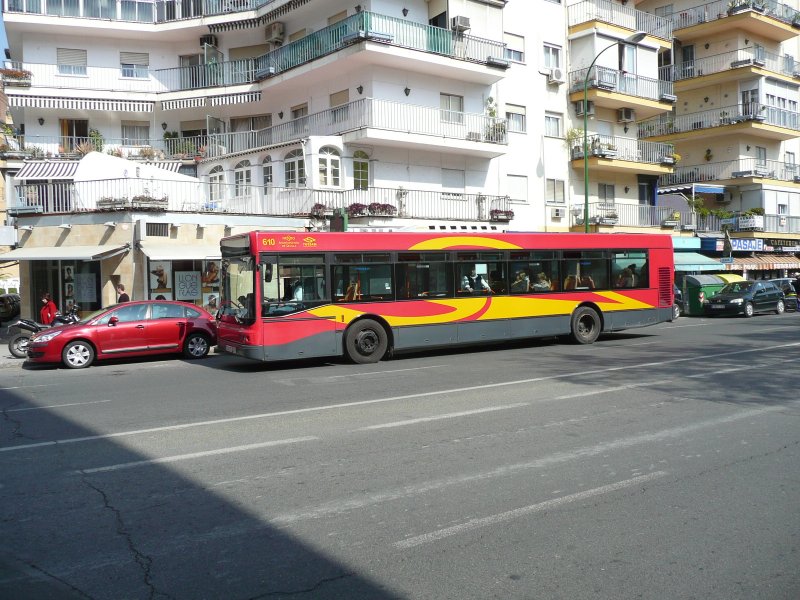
pixel 93 315
pixel 737 287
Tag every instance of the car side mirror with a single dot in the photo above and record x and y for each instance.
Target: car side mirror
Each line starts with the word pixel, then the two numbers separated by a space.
pixel 268 272
pixel 113 321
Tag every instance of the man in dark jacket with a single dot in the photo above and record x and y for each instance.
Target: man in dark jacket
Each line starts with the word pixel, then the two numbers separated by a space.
pixel 123 297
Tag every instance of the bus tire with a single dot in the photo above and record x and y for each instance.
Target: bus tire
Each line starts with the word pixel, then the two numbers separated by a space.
pixel 366 342
pixel 585 325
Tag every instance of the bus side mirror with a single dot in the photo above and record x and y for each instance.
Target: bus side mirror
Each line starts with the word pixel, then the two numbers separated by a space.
pixel 268 272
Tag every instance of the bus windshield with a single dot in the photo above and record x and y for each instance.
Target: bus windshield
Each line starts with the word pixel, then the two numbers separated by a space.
pixel 238 289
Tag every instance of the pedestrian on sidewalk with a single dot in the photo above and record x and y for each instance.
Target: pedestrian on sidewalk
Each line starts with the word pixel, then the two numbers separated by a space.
pixel 49 309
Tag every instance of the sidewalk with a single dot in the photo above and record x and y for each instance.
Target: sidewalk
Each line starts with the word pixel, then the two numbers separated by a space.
pixel 6 359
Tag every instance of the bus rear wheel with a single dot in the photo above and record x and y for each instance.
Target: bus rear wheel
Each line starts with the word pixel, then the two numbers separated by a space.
pixel 366 342
pixel 585 325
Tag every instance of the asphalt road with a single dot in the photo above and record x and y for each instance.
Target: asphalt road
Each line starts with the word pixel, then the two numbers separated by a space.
pixel 658 463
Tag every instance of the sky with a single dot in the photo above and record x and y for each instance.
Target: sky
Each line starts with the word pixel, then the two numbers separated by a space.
pixel 3 39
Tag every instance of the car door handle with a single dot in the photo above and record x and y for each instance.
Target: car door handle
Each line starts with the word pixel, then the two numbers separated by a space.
pixel 140 327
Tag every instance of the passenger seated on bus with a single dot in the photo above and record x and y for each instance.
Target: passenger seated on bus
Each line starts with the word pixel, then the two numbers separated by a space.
pixel 586 282
pixel 521 285
pixel 497 283
pixel 542 283
pixel 626 279
pixel 571 282
pixel 473 283
pixel 297 291
pixel 353 291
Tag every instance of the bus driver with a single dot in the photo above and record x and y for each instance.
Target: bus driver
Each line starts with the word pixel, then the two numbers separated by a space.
pixel 474 283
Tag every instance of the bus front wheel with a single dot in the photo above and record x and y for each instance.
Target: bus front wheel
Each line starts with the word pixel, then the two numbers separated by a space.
pixel 585 325
pixel 366 342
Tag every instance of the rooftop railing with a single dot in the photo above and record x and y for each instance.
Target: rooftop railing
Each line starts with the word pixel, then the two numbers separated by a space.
pixel 361 26
pixel 57 146
pixel 713 11
pixel 613 80
pixel 743 57
pixel 726 115
pixel 623 16
pixel 619 148
pixel 204 197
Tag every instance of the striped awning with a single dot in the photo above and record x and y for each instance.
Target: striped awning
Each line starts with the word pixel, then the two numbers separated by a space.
pixel 47 169
pixel 140 106
pixel 765 262
pixel 168 165
pixel 235 98
pixel 183 103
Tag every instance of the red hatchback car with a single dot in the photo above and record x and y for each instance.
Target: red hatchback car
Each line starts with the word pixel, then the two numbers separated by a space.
pixel 131 329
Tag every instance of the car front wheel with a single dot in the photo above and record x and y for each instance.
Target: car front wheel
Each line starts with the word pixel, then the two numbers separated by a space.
pixel 196 346
pixel 676 312
pixel 748 309
pixel 780 307
pixel 77 355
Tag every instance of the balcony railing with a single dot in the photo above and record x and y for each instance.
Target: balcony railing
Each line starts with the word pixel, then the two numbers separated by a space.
pixel 744 57
pixel 612 80
pixel 619 148
pixel 733 169
pixel 365 113
pixel 139 11
pixel 713 11
pixel 727 115
pixel 203 197
pixel 360 26
pixel 622 16
pixel 46 146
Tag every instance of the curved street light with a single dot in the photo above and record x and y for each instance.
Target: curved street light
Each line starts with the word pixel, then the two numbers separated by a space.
pixel 634 38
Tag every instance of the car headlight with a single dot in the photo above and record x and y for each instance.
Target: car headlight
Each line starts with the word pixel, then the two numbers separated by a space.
pixel 45 337
pixel 737 301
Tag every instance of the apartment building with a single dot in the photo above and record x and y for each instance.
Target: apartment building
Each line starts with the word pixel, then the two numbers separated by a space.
pixel 144 131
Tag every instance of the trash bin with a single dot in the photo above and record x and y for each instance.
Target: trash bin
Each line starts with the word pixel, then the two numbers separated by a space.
pixel 696 285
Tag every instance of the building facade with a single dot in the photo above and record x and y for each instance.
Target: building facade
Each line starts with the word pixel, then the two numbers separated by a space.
pixel 460 115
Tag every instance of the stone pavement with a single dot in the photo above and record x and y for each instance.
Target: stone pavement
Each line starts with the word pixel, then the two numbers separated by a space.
pixel 6 359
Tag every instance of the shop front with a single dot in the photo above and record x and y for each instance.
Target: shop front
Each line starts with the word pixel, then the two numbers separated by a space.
pixel 190 273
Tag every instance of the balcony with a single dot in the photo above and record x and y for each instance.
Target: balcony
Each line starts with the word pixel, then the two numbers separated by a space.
pixel 765 19
pixel 378 122
pixel 584 15
pixel 202 197
pixel 610 88
pixel 57 146
pixel 623 155
pixel 734 172
pixel 751 118
pixel 735 65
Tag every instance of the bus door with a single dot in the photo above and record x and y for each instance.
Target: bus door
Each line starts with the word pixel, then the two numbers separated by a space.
pixel 293 286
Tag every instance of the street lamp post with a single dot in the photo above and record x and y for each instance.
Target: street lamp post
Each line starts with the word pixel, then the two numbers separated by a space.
pixel 634 38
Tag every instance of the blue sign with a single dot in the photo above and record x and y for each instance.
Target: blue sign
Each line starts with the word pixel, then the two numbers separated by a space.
pixel 740 244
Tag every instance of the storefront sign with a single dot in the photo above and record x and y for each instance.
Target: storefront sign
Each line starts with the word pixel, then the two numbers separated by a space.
pixel 753 222
pixel 743 245
pixel 187 285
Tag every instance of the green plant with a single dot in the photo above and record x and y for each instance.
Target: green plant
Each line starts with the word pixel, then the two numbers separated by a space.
pixel 572 136
pixel 97 139
pixel 170 135
pixel 356 209
pixel 84 148
pixel 15 74
pixel 114 152
pixel 147 152
pixel 721 213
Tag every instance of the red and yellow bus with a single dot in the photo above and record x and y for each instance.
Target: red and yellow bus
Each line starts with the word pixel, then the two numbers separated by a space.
pixel 290 295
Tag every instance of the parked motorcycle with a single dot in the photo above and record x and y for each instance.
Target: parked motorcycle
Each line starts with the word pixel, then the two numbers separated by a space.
pixel 18 344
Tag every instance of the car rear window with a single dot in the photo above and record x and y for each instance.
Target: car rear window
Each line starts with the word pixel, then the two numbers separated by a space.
pixel 192 313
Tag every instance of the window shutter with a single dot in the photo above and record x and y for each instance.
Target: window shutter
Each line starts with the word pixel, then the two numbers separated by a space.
pixel 141 59
pixel 340 98
pixel 68 56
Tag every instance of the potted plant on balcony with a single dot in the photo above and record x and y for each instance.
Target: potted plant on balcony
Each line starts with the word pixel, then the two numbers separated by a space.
pixel 97 140
pixel 736 6
pixel 318 210
pixel 356 209
pixel 499 214
pixel 16 77
pixel 384 210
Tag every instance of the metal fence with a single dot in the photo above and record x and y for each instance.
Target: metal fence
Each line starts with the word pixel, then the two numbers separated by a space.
pixel 733 169
pixel 620 148
pixel 623 82
pixel 622 16
pixel 718 117
pixel 713 11
pixel 743 57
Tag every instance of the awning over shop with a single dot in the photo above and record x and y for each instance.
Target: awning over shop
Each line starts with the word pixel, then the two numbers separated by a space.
pixel 693 261
pixel 168 165
pixel 65 253
pixel 765 262
pixel 47 169
pixel 180 251
pixel 692 188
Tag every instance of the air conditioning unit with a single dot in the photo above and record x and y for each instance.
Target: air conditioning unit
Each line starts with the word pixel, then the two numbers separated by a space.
pixel 626 115
pixel 558 213
pixel 579 108
pixel 208 39
pixel 555 76
pixel 274 33
pixel 460 23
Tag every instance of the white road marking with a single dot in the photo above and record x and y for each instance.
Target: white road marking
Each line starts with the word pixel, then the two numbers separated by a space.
pixel 169 459
pixel 433 536
pixel 343 506
pixel 465 413
pixel 25 387
pixel 371 373
pixel 10 410
pixel 605 390
pixel 707 358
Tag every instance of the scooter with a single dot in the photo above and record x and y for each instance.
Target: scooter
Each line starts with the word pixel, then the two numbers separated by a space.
pixel 18 345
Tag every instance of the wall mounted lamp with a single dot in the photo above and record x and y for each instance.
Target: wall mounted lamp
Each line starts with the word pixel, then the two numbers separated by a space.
pixel 746 41
pixel 748 147
pixel 407 91
pixel 627 189
pixel 360 89
pixel 705 99
pixel 358 8
pixel 707 45
pixel 41 120
pixel 625 129
pixel 110 223
pixel 65 226
pixel 405 12
pixel 164 126
pixel 26 228
pixel 280 115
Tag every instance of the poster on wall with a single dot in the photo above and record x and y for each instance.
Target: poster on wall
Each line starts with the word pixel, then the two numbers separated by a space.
pixel 160 296
pixel 68 278
pixel 210 278
pixel 84 289
pixel 210 302
pixel 160 276
pixel 187 285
